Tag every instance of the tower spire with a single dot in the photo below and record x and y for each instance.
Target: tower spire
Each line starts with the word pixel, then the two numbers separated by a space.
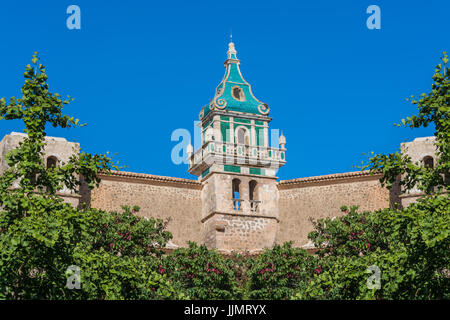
pixel 231 53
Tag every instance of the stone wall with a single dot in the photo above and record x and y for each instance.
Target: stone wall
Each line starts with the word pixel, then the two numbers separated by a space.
pixel 56 147
pixel 239 232
pixel 158 197
pixel 284 213
pixel 320 197
pixel 227 226
pixel 418 150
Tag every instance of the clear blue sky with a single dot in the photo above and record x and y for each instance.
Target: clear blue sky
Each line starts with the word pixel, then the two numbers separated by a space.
pixel 141 69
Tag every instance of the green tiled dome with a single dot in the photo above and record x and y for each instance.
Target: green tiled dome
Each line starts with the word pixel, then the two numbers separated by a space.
pixel 234 93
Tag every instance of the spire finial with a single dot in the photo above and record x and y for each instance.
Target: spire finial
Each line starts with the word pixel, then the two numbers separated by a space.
pixel 231 49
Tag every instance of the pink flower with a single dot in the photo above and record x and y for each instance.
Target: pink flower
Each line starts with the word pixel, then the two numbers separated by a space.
pixel 161 270
pixel 318 270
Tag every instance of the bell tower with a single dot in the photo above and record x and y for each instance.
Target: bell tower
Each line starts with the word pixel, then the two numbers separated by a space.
pixel 236 166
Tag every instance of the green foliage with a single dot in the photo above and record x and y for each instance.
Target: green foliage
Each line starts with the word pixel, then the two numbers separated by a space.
pixel 433 109
pixel 115 256
pixel 119 253
pixel 126 234
pixel 201 273
pixel 280 272
pixel 410 246
pixel 353 234
pixel 41 236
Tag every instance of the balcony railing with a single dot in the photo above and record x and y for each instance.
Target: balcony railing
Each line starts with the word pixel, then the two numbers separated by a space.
pixel 254 205
pixel 238 205
pixel 235 153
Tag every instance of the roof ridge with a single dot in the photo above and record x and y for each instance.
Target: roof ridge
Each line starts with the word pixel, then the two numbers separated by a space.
pixel 148 176
pixel 333 176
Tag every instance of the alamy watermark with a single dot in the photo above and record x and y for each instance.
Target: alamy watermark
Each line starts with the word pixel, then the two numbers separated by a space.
pixel 374 20
pixel 374 281
pixel 74 20
pixel 73 274
pixel 226 142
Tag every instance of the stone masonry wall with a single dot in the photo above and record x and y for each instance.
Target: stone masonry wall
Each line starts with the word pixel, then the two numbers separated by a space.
pixel 239 233
pixel 158 197
pixel 56 147
pixel 320 197
pixel 286 206
pixel 417 149
pixel 247 229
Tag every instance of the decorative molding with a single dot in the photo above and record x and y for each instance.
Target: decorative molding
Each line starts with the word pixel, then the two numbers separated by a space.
pixel 240 214
pixel 330 178
pixel 150 178
pixel 220 103
pixel 263 109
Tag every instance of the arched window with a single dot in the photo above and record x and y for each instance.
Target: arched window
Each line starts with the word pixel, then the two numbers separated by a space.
pixel 428 162
pixel 52 162
pixel 236 194
pixel 252 186
pixel 242 135
pixel 253 196
pixel 237 93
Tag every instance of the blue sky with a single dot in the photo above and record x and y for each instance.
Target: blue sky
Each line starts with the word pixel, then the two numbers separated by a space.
pixel 141 69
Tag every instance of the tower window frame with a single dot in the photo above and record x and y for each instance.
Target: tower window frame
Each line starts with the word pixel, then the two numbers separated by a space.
pixel 246 136
pixel 236 194
pixel 51 162
pixel 253 195
pixel 428 162
pixel 237 93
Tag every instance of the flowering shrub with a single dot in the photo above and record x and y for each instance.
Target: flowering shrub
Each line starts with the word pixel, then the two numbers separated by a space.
pixel 41 235
pixel 409 246
pixel 201 273
pixel 280 272
pixel 354 234
pixel 127 234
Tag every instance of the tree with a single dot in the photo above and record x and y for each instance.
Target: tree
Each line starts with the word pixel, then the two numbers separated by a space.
pixel 410 246
pixel 433 109
pixel 41 235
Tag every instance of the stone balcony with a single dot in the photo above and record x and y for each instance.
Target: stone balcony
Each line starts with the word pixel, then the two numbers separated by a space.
pixel 216 152
pixel 241 205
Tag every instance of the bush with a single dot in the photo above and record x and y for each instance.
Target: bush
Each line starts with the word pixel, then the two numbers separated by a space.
pixel 409 246
pixel 41 236
pixel 201 273
pixel 280 272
